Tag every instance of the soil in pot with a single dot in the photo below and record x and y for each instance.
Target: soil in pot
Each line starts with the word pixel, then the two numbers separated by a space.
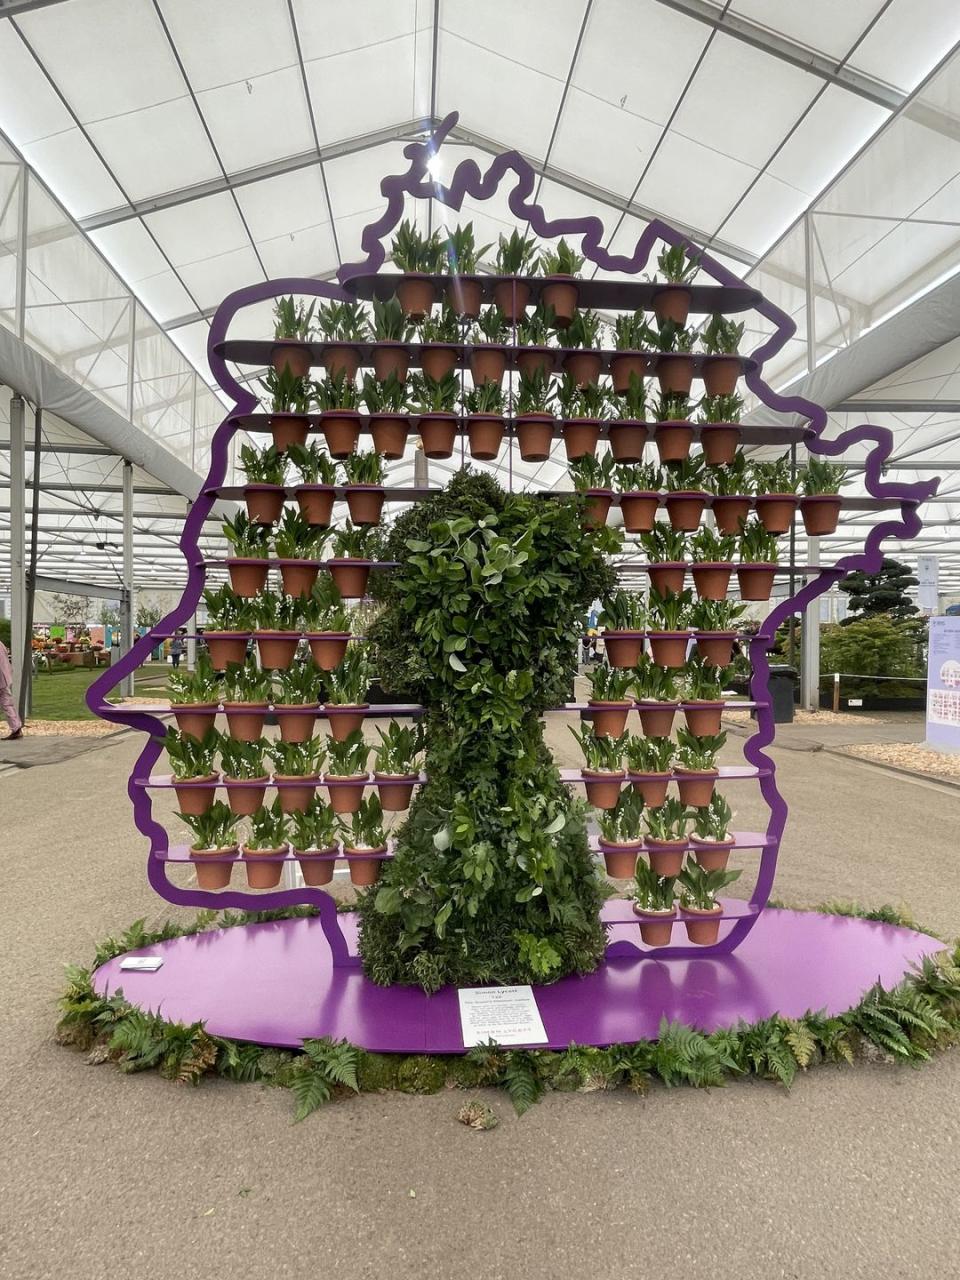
pixel 346 793
pixel 609 718
pixel 623 647
pixel 341 358
pixel 277 648
pixel 712 855
pixel 245 720
pixel 716 647
pixel 703 927
pixel 603 788
pixel 365 503
pixel 488 364
pixel 656 718
pixel 535 436
pixel 396 796
pixel 667 577
pixel 390 357
pixel 684 508
pixel 720 375
pixel 711 579
pixel 264 502
pixel 193 796
pixel 247 577
pixel 327 648
pixel 288 429
pixel 583 366
pixel 534 360
pixel 316 503
pixel 703 718
pixel 344 719
pixel 561 293
pixel 639 510
pixel 225 647
pixel 821 514
pixel 719 441
pixel 627 438
pixel 599 502
pixel 465 297
pixel 416 294
pixel 675 374
pixel 389 432
pixel 669 648
pixel 316 870
pixel 341 430
pixel 623 365
pixel 437 360
pixel 438 433
pixel 756 581
pixel 775 511
pixel 194 718
pixel 652 786
pixel 264 867
pixel 298 796
pixel 485 432
pixel 212 874
pixel 620 860
pixel 666 856
pixel 298 576
pixel 672 302
pixel 296 721
pixel 729 512
pixel 673 441
pixel 656 927
pixel 247 798
pixel 580 437
pixel 364 864
pixel 290 354
pixel 350 577
pixel 512 296
pixel 696 789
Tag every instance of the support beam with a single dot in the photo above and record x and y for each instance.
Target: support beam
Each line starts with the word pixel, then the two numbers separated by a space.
pixel 899 406
pixel 127 608
pixel 18 563
pixel 70 587
pixel 810 641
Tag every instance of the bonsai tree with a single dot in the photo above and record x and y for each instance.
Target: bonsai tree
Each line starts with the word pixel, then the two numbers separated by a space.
pixel 882 592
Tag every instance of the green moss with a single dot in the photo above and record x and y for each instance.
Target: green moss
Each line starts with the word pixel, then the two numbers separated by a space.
pixel 422 1074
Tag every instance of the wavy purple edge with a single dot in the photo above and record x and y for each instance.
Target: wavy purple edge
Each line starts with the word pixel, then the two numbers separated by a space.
pixel 467 180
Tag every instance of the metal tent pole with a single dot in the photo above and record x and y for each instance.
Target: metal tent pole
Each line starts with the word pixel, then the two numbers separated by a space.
pixel 127 609
pixel 810 636
pixel 25 700
pixel 18 577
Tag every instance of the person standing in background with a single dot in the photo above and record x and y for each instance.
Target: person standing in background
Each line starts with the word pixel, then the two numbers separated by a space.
pixel 7 705
pixel 177 647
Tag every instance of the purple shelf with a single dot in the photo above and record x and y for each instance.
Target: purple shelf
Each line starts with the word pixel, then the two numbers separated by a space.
pixel 376 711
pixel 620 911
pixel 726 771
pixel 181 853
pixel 165 781
pixel 741 840
pixel 392 493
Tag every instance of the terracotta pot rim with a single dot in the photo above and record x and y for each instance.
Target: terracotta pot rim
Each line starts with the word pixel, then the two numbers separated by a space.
pixel 672 635
pixel 632 423
pixel 615 706
pixel 295 561
pixel 674 422
pixel 777 497
pixel 649 777
pixel 696 773
pixel 598 493
pixel 720 426
pixel 346 706
pixel 701 911
pixel 711 564
pixel 245 706
pixel 343 560
pixel 226 635
pixel 608 774
pixel 640 493
pixel 316 853
pixel 583 422
pixel 338 344
pixel 441 414
pixel 344 777
pixel 712 844
pixel 731 497
pixel 327 635
pixel 278 852
pixel 704 703
pixel 716 635
pixel 667 287
pixel 302 778
pixel 364 488
pixel 625 635
pixel 746 565
pixel 314 488
pixel 298 706
pixel 686 495
pixel 247 560
pixel 263 780
pixel 821 497
pixel 485 417
pixel 258 486
pixel 619 846
pixel 277 635
pixel 227 851
pixel 194 706
pixel 439 346
pixel 536 417
pixel 396 777
pixel 649 913
pixel 387 413
pixel 341 413
pixel 199 780
pixel 649 702
pixel 364 851
pixel 668 846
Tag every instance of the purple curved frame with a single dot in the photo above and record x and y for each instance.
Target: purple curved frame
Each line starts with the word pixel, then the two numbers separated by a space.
pixel 467 180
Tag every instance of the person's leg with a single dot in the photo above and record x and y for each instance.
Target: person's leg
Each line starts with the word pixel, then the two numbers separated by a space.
pixel 9 709
pixel 175 659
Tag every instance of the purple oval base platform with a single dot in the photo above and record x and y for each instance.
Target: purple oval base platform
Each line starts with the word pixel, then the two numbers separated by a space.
pixel 274 984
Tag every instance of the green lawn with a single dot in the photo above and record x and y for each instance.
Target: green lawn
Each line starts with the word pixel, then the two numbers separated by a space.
pixel 60 696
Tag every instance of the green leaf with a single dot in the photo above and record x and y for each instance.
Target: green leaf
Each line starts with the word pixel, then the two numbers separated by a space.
pixel 456 663
pixel 441 839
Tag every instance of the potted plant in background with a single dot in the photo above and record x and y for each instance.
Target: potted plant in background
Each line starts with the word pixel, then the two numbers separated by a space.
pixel 711 837
pixel 673 434
pixel 535 332
pixel 582 410
pixel 244 775
pixel 561 267
pixel 440 338
pixel 632 338
pixel 315 836
pixel 393 332
pixel 649 761
pixel 317 488
pixel 246 693
pixel 326 624
pixel 719 424
pixel 593 477
pixel 535 421
pixel 363 476
pixel 484 408
pixel 297 766
pixel 278 629
pixel 712 554
pixel 621 835
pixel 290 400
pixel 350 566
pixel 292 326
pixel 655 689
pixel 758 561
pixel 250 545
pixel 463 259
pixel 639 484
pixel 265 471
pixel 347 688
pixel 603 771
pixel 698 901
pixel 214 844
pixel 721 339
pixel 231 620
pixel 653 902
pixel 776 486
pixel 671 300
pixel 346 774
pixel 337 399
pixel 515 257
pixel 585 332
pixel 628 428
pixel 821 503
pixel 686 496
pixel 345 327
pixel 266 846
pixel 194 696
pixel 295 544
pixel 435 403
pixel 396 768
pixel 385 400
pixel 675 364
pixel 192 766
pixel 297 700
pixel 715 631
pixel 609 702
pixel 418 257
pixel 732 489
pixel 667 836
pixel 703 698
pixel 695 763
pixel 622 620
pixel 666 550
pixel 488 359
pixel 365 841
pixel 668 633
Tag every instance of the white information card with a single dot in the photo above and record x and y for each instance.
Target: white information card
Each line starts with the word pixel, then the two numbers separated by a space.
pixel 508 1015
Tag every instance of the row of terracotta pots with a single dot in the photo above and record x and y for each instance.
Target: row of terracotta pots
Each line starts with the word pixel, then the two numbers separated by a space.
pixel 245 795
pixel 603 786
pixel 685 508
pixel 668 648
pixel 364 502
pixel 214 867
pixel 755 579
pixel 248 577
pixel 245 720
pixel 609 719
pixel 666 856
pixel 327 648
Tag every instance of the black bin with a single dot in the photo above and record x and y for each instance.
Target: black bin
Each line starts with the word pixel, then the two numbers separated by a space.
pixel 782 684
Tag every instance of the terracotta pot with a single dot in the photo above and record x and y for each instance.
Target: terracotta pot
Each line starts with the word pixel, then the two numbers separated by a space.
pixel 598 507
pixel 247 799
pixel 364 869
pixel 666 856
pixel 775 510
pixel 535 436
pixel 672 302
pixel 264 502
pixel 298 796
pixel 350 577
pixel 533 360
pixel 328 648
pixel 298 576
pixel 756 581
pixel 512 296
pixel 277 648
pixel 247 577
pixel 583 366
pixel 225 647
pixel 341 357
pixel 438 431
pixel 580 437
pixel 192 796
pixel 212 874
pixel 485 431
pixel 623 648
pixel 673 440
pixel 288 429
pixel 656 927
pixel 389 432
pixel 703 927
pixel 719 441
pixel 730 511
pixel 609 718
pixel 390 357
pixel 194 718
pixel 437 360
pixel 264 868
pixel 345 718
pixel 245 720
pixel 316 870
pixel 703 718
pixel 669 648
pixel 289 354
pixel 488 364
pixel 341 430
pixel 395 797
pixel 625 363
pixel 685 507
pixel 639 510
pixel 627 437
pixel 667 577
pixel 316 503
pixel 696 789
pixel 620 859
pixel 296 720
pixel 365 503
pixel 603 789
pixel 712 855
pixel 821 513
pixel 652 786
pixel 711 579
pixel 716 647
pixel 675 374
pixel 656 718
pixel 465 296
pixel 416 294
pixel 345 797
pixel 720 375
pixel 561 293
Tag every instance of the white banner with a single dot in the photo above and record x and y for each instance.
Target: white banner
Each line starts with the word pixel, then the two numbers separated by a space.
pixel 928 592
